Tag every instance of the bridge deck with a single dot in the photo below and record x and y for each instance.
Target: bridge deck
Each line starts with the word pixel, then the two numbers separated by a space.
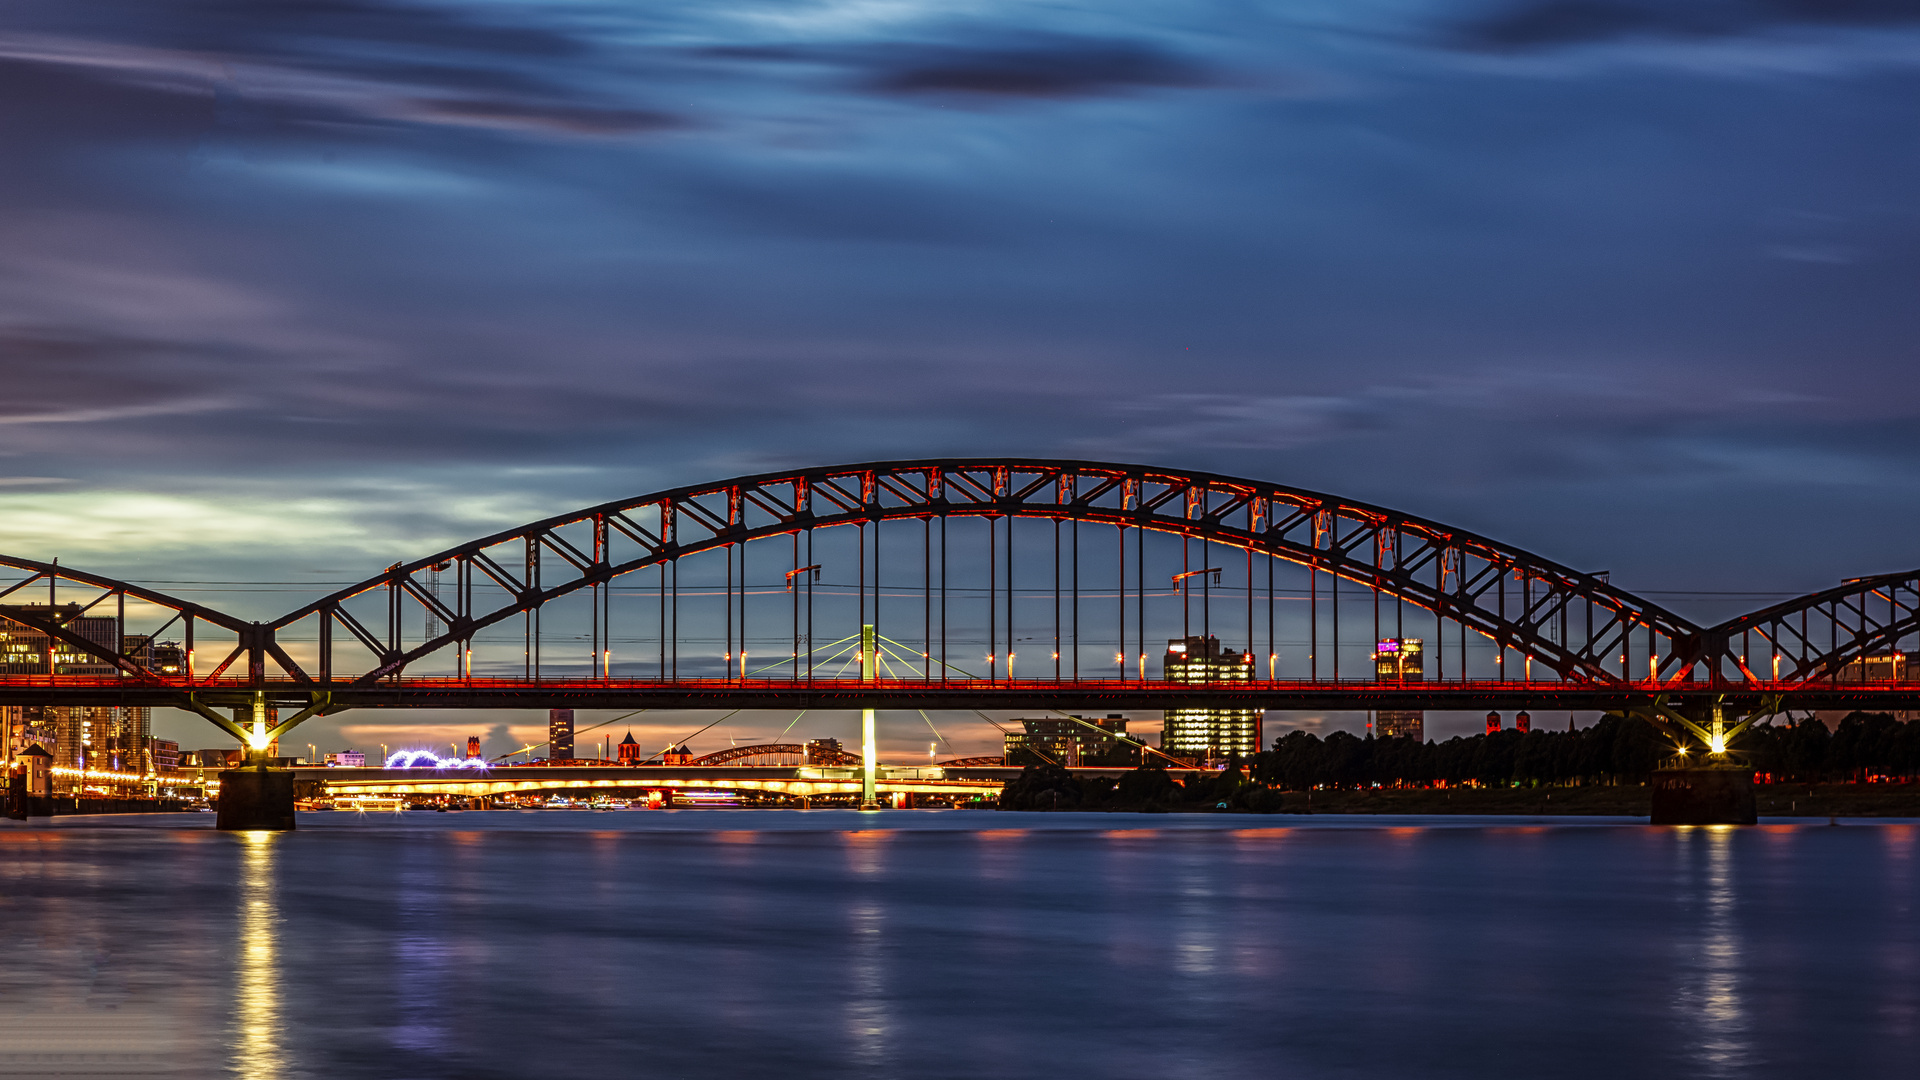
pixel 790 779
pixel 1082 695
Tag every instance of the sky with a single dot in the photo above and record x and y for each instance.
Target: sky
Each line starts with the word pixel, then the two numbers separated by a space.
pixel 291 290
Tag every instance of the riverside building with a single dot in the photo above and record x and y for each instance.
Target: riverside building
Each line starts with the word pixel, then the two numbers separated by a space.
pixel 1399 660
pixel 1072 742
pixel 100 747
pixel 1208 733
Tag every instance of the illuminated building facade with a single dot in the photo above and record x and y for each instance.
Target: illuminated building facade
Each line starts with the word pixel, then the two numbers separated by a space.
pixel 111 741
pixel 165 754
pixel 347 759
pixel 1072 743
pixel 1208 733
pixel 1887 667
pixel 167 657
pixel 27 725
pixel 825 752
pixel 560 734
pixel 629 751
pixel 1399 660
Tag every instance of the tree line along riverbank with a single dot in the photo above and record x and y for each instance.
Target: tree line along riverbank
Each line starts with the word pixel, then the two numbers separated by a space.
pixel 1865 766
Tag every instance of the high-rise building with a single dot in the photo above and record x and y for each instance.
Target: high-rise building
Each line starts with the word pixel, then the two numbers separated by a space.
pixel 827 752
pixel 27 651
pixel 129 746
pixel 559 734
pixel 1072 743
pixel 1208 733
pixel 97 739
pixel 1399 660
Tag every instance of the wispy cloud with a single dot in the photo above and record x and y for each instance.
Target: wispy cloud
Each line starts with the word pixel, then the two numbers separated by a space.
pixel 121 412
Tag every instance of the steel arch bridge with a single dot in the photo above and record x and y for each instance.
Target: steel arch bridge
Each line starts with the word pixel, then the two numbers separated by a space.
pixel 992 583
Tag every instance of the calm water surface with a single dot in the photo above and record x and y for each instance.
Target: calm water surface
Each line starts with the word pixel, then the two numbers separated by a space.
pixel 955 944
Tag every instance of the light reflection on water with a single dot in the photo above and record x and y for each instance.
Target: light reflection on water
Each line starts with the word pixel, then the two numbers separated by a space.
pixel 1711 998
pixel 808 945
pixel 257 1022
pixel 1717 999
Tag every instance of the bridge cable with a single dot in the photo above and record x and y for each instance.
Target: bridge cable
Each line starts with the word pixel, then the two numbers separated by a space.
pixel 1036 752
pixel 930 727
pixel 1141 743
pixel 941 662
pixel 922 712
pixel 791 659
pixel 906 660
pixel 715 724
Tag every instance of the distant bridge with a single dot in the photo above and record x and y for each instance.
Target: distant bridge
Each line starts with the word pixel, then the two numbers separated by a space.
pixel 992 584
pixel 802 781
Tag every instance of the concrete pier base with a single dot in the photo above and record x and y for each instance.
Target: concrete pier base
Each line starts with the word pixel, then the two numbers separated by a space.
pixel 256 798
pixel 1710 796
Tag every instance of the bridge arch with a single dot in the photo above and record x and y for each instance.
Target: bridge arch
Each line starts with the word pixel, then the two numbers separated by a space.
pixel 752 754
pixel 62 618
pixel 1819 635
pixel 1520 606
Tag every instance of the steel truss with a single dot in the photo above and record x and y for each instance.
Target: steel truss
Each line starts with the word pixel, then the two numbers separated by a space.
pixel 1595 645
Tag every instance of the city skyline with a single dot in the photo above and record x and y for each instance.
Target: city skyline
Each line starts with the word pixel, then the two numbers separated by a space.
pixel 292 294
pixel 868 538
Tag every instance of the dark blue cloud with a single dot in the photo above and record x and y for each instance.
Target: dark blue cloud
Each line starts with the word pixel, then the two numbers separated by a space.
pixel 521 256
pixel 1003 66
pixel 1042 69
pixel 1547 23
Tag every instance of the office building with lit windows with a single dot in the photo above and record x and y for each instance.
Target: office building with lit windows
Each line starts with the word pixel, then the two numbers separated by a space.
pixel 560 734
pixel 109 742
pixel 1399 660
pixel 1073 742
pixel 1208 733
pixel 1881 668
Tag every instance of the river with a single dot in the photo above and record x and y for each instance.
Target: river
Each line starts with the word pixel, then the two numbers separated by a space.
pixel 933 944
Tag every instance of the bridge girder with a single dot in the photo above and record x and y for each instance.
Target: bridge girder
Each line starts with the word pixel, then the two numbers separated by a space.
pixel 1517 600
pixel 1863 617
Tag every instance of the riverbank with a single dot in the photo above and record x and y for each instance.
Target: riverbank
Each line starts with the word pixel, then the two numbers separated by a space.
pixel 1777 800
pixel 65 805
